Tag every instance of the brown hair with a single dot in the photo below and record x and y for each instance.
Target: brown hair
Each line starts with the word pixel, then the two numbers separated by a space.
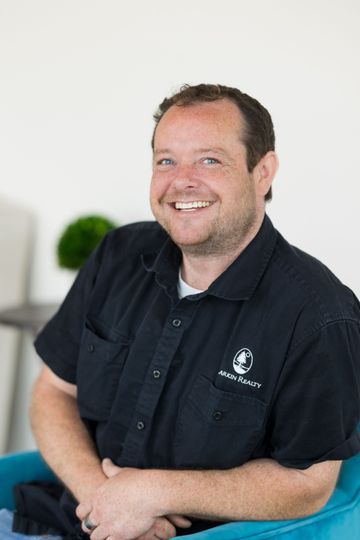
pixel 259 136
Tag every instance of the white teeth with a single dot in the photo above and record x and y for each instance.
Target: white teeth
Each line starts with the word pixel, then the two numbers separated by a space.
pixel 195 204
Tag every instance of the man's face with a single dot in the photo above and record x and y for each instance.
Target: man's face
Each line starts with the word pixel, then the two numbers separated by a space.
pixel 201 190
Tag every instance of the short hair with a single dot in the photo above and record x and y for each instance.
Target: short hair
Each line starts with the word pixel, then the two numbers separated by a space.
pixel 258 137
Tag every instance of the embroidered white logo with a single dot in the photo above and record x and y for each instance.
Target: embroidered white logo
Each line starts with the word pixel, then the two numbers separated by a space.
pixel 243 361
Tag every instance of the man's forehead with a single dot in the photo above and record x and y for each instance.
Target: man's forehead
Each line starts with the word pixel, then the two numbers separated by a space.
pixel 206 120
pixel 200 150
pixel 203 109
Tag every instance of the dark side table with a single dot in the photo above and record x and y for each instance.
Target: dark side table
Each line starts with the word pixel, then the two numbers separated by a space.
pixel 31 317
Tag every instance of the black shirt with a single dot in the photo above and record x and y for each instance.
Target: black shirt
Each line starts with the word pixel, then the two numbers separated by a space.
pixel 265 363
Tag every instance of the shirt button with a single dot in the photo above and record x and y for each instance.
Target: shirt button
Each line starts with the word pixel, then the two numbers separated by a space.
pixel 176 323
pixel 156 374
pixel 217 415
pixel 91 348
pixel 140 425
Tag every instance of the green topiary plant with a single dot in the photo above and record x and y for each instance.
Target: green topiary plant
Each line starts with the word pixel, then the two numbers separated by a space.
pixel 80 238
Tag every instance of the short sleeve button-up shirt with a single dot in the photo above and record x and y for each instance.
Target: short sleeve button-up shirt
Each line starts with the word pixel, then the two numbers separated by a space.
pixel 265 363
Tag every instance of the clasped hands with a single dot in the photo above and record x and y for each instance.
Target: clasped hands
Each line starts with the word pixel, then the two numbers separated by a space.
pixel 125 507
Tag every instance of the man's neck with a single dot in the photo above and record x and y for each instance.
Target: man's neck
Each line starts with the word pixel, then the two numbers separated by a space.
pixel 199 271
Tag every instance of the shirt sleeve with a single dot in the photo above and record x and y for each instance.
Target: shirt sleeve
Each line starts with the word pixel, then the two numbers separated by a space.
pixel 59 341
pixel 316 413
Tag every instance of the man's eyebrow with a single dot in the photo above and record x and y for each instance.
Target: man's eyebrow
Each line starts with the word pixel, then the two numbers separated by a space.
pixel 216 149
pixel 162 151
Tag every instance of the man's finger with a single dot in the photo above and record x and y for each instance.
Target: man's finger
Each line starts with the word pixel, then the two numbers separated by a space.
pixel 100 533
pixel 179 521
pixel 109 468
pixel 88 525
pixel 83 510
pixel 163 529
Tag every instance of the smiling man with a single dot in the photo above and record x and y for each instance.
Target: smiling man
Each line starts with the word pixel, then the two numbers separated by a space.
pixel 201 369
pixel 202 192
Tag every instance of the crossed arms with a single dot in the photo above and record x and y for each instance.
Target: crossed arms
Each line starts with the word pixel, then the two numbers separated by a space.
pixel 147 504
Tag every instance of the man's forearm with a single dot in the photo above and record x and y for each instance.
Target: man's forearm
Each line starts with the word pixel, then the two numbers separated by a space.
pixel 258 490
pixel 64 441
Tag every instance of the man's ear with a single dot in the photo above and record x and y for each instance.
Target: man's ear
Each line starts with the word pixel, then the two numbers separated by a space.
pixel 264 172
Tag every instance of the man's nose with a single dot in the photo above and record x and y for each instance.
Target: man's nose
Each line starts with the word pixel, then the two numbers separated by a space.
pixel 186 178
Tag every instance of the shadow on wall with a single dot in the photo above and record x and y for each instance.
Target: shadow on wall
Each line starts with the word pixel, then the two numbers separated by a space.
pixel 16 237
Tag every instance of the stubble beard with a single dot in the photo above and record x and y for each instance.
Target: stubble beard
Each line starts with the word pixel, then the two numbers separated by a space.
pixel 222 237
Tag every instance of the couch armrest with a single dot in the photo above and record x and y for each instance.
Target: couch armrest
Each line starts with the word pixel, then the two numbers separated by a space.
pixel 18 468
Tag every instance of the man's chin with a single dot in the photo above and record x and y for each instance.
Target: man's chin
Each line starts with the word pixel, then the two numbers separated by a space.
pixel 196 247
pixel 191 242
pixel 186 238
pixel 187 243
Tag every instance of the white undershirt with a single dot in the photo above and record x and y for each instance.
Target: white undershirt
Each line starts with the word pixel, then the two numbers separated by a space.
pixel 184 289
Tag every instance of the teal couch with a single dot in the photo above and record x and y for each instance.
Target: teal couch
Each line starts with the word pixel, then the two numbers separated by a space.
pixel 338 520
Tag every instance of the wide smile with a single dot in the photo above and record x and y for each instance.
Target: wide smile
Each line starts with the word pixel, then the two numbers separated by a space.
pixel 191 206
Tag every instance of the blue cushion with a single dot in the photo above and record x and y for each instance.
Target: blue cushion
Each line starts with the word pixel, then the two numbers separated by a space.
pixel 21 467
pixel 339 519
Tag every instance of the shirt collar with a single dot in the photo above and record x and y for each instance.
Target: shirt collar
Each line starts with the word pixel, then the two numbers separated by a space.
pixel 239 280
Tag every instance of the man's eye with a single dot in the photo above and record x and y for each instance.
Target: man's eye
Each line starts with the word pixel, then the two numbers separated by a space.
pixel 210 161
pixel 165 161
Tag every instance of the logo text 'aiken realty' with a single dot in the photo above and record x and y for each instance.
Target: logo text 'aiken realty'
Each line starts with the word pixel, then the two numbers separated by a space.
pixel 242 363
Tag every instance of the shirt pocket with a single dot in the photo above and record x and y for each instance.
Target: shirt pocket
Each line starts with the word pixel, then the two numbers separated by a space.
pixel 217 429
pixel 98 372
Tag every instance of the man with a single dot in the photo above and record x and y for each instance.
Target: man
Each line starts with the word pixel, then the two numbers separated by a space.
pixel 201 369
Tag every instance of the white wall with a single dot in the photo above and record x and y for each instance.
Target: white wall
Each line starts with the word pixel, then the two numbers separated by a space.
pixel 80 80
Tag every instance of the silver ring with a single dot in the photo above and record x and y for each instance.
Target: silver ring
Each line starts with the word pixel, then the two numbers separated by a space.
pixel 89 524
